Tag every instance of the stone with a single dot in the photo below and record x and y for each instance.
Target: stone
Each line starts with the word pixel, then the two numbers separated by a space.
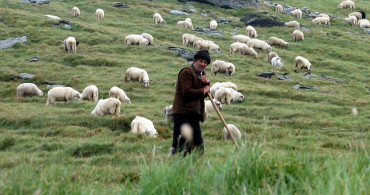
pixel 228 4
pixel 26 76
pixel 40 2
pixel 187 10
pixel 63 21
pixel 178 12
pixel 307 75
pixel 303 87
pixel 34 59
pixel 367 30
pixel 266 74
pixel 183 53
pixel 121 5
pixel 209 31
pixel 321 76
pixel 12 41
pixel 66 26
pixel 53 86
pixel 47 83
pixel 257 20
pixel 303 27
pixel 223 21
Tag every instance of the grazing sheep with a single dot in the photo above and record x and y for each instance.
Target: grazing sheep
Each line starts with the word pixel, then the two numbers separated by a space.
pixel 141 125
pixel 110 106
pixel 99 14
pixel 363 14
pixel 227 95
pixel 188 20
pixel 168 113
pixel 28 89
pixel 279 42
pixel 324 15
pixel 358 15
pixel 217 86
pixel 185 24
pixel 149 38
pixel 235 132
pixel 135 39
pixel 364 23
pixel 245 50
pixel 116 92
pixel 347 3
pixel 207 44
pixel 352 20
pixel 279 8
pixel 62 94
pixel 75 11
pixel 259 44
pixel 70 44
pixel 276 62
pixel 213 25
pixel 298 35
pixel 53 17
pixel 241 38
pixel 235 47
pixel 158 19
pixel 302 63
pixel 292 24
pixel 271 55
pixel 137 74
pixel 208 107
pixel 297 13
pixel 189 39
pixel 251 32
pixel 90 93
pixel 321 20
pixel 222 66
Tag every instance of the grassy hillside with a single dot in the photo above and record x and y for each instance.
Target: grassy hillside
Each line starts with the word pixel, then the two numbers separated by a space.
pixel 294 141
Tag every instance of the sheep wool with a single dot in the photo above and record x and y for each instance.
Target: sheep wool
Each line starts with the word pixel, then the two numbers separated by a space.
pixel 292 24
pixel 141 125
pixel 28 89
pixel 99 14
pixel 90 93
pixel 276 62
pixel 149 37
pixel 297 13
pixel 234 130
pixel 321 20
pixel 245 50
pixel 227 95
pixel 137 74
pixel 75 11
pixel 109 106
pixel 217 86
pixel 158 19
pixel 302 63
pixel 185 24
pixel 189 39
pixel 251 32
pixel 70 45
pixel 134 39
pixel 298 35
pixel 62 94
pixel 116 92
pixel 278 42
pixel 223 67
pixel 259 44
pixel 241 38
pixel 279 8
pixel 351 20
pixel 213 25
pixel 208 107
pixel 271 55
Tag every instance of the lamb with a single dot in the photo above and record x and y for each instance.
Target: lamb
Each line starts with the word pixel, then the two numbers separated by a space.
pixel 62 94
pixel 276 62
pixel 364 23
pixel 70 44
pixel 297 13
pixel 99 14
pixel 259 44
pixel 245 50
pixel 207 44
pixel 149 38
pixel 188 20
pixel 271 55
pixel 251 32
pixel 298 35
pixel 189 39
pixel 208 107
pixel 347 3
pixel 302 63
pixel 227 95
pixel 235 47
pixel 217 86
pixel 158 19
pixel 235 132
pixel 141 125
pixel 213 25
pixel 279 42
pixel 110 106
pixel 137 74
pixel 222 66
pixel 352 20
pixel 116 92
pixel 135 39
pixel 241 38
pixel 28 89
pixel 321 20
pixel 185 24
pixel 292 24
pixel 168 113
pixel 53 17
pixel 90 93
pixel 75 11
pixel 358 15
pixel 279 8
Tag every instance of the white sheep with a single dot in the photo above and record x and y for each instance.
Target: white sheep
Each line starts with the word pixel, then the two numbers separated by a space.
pixel 241 38
pixel 185 24
pixel 135 39
pixel 137 74
pixel 189 39
pixel 271 55
pixel 116 92
pixel 279 8
pixel 90 93
pixel 245 50
pixel 235 47
pixel 259 44
pixel 302 63
pixel 298 35
pixel 62 94
pixel 223 66
pixel 251 32
pixel 188 20
pixel 70 44
pixel 149 37
pixel 321 20
pixel 279 42
pixel 234 130
pixel 158 19
pixel 276 62
pixel 208 107
pixel 28 89
pixel 364 23
pixel 99 14
pixel 351 20
pixel 217 86
pixel 227 95
pixel 53 17
pixel 213 25
pixel 141 125
pixel 292 24
pixel 347 3
pixel 75 11
pixel 207 44
pixel 358 15
pixel 297 13
pixel 108 106
pixel 168 113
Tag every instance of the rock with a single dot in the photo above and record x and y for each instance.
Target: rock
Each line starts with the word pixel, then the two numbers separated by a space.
pixel 206 14
pixel 22 76
pixel 266 74
pixel 257 20
pixel 223 21
pixel 34 59
pixel 367 30
pixel 325 92
pixel 330 79
pixel 307 75
pixel 187 10
pixel 121 5
pixel 183 53
pixel 47 83
pixel 228 4
pixel 283 76
pixel 12 41
pixel 52 86
pixel 178 12
pixel 303 87
pixel 66 26
pixel 249 18
pixel 303 27
pixel 40 2
pixel 63 21
pixel 209 31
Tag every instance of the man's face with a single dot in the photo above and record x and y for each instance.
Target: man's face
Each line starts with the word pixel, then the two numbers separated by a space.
pixel 200 64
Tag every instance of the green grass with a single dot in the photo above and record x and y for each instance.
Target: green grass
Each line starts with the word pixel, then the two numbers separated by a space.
pixel 294 141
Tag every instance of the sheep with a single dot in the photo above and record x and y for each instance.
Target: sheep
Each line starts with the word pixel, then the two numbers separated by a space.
pixel 245 50
pixel 227 95
pixel 364 23
pixel 110 106
pixel 99 14
pixel 141 125
pixel 185 24
pixel 207 44
pixel 208 107
pixel 217 86
pixel 302 63
pixel 241 38
pixel 137 74
pixel 297 13
pixel 235 47
pixel 279 8
pixel 271 55
pixel 363 14
pixel 70 44
pixel 213 25
pixel 134 39
pixel 277 41
pixel 222 66
pixel 358 15
pixel 28 89
pixel 292 24
pixel 188 20
pixel 235 132
pixel 53 17
pixel 251 32
pixel 75 11
pixel 189 39
pixel 346 4
pixel 321 20
pixel 352 20
pixel 116 92
pixel 90 93
pixel 259 44
pixel 158 19
pixel 276 62
pixel 324 15
pixel 298 35
pixel 149 38
pixel 62 94
pixel 168 113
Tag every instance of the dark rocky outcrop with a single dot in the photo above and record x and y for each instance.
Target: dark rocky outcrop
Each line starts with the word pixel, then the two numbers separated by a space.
pixel 209 31
pixel 183 53
pixel 257 20
pixel 266 74
pixel 178 12
pixel 34 59
pixel 64 21
pixel 121 5
pixel 25 76
pixel 223 21
pixel 40 2
pixel 228 4
pixel 303 87
pixel 12 41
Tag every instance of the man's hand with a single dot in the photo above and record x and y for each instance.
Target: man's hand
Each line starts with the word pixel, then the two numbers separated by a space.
pixel 206 89
pixel 205 79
